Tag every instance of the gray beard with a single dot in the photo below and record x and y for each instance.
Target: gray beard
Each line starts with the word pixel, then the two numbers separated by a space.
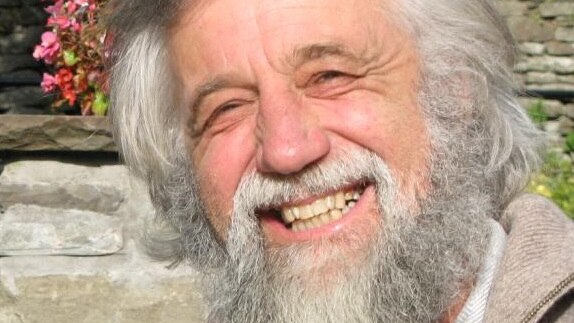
pixel 412 271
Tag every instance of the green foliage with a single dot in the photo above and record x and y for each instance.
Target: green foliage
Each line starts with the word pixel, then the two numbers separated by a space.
pixel 569 145
pixel 537 113
pixel 556 182
pixel 556 178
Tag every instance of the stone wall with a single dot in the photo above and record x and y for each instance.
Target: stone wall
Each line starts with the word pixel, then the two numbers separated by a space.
pixel 544 32
pixel 71 218
pixel 21 24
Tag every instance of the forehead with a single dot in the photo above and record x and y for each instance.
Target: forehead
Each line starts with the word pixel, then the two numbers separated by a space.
pixel 219 30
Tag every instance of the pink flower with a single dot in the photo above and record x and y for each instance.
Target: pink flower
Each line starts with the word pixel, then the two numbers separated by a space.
pixel 48 49
pixel 56 8
pixel 61 21
pixel 49 83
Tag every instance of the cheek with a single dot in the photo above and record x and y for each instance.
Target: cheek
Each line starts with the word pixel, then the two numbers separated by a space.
pixel 221 161
pixel 395 131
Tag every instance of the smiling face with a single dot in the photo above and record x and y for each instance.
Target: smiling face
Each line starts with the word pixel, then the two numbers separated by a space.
pixel 277 86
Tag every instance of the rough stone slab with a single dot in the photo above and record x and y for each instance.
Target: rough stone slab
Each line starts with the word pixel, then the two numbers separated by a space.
pixel 541 77
pixel 566 125
pixel 123 287
pixel 98 299
pixel 33 230
pixel 550 87
pixel 25 96
pixel 532 48
pixel 561 65
pixel 525 29
pixel 9 63
pixel 560 49
pixel 55 133
pixel 565 34
pixel 21 40
pixel 9 3
pixel 554 9
pixel 569 110
pixel 61 185
pixel 511 8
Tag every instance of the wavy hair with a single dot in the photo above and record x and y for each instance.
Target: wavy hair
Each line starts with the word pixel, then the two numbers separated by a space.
pixel 461 42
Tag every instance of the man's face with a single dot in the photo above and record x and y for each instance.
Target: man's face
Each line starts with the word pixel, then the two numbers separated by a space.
pixel 277 86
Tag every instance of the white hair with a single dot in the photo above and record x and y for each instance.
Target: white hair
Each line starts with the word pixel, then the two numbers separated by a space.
pixel 460 41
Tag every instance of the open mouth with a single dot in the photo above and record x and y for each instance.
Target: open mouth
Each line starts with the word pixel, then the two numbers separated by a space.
pixel 320 211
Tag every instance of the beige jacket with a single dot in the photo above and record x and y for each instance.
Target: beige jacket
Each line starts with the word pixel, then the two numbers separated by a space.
pixel 535 279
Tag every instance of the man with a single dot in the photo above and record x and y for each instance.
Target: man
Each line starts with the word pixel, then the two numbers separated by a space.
pixel 339 160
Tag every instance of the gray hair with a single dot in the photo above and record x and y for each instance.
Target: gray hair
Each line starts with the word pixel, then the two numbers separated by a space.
pixel 458 41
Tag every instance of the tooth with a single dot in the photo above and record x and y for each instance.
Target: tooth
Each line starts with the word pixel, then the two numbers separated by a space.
pixel 340 200
pixel 319 207
pixel 336 214
pixel 287 215
pixel 330 201
pixel 356 196
pixel 345 209
pixel 306 225
pixel 348 196
pixel 325 217
pixel 296 213
pixel 306 212
pixel 352 204
pixel 296 226
pixel 316 222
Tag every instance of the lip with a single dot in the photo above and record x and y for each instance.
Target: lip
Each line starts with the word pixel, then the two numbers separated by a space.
pixel 277 234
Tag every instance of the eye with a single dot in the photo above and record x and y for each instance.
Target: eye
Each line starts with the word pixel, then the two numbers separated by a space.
pixel 327 76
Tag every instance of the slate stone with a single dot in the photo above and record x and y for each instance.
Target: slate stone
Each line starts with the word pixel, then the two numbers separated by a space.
pixel 21 41
pixel 9 63
pixel 561 65
pixel 565 79
pixel 62 185
pixel 553 108
pixel 554 9
pixel 540 77
pixel 569 110
pixel 566 125
pixel 55 133
pixel 511 8
pixel 526 29
pixel 560 48
pixel 98 299
pixel 33 230
pixel 565 34
pixel 24 96
pixel 550 87
pixel 10 3
pixel 534 49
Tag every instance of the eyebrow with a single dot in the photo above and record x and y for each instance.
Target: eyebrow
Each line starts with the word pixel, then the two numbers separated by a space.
pixel 313 52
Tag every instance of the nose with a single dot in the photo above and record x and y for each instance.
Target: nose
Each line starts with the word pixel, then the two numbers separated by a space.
pixel 289 135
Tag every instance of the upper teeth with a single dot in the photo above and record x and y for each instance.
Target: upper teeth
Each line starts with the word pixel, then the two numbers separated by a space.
pixel 323 210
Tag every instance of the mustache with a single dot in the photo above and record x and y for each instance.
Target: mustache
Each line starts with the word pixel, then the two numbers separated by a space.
pixel 359 167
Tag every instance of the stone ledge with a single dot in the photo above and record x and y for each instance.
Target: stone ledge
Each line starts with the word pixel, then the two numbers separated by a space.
pixel 62 185
pixel 33 230
pixel 55 133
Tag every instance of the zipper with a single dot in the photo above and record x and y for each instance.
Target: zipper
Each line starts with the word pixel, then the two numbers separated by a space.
pixel 549 297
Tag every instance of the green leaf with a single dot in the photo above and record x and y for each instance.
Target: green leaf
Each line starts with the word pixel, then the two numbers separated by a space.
pixel 70 58
pixel 100 105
